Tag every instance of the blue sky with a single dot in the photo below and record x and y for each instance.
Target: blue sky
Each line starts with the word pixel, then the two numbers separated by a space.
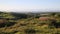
pixel 29 5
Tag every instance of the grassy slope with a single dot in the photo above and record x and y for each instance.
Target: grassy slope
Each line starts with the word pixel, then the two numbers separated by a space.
pixel 22 25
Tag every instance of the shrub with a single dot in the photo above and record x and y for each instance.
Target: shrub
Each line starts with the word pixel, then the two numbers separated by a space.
pixel 30 31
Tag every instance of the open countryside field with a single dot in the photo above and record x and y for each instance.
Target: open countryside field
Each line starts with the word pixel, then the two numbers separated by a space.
pixel 29 23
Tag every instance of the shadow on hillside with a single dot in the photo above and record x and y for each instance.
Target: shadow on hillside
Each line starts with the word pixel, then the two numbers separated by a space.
pixel 7 24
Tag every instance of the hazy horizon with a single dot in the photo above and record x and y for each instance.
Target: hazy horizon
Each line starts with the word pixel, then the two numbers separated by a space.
pixel 29 5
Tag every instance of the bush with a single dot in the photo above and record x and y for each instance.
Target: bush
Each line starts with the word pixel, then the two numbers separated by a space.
pixel 30 31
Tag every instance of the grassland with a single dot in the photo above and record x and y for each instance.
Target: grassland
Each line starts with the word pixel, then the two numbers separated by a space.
pixel 14 23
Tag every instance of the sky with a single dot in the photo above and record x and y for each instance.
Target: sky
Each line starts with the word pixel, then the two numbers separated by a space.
pixel 29 5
